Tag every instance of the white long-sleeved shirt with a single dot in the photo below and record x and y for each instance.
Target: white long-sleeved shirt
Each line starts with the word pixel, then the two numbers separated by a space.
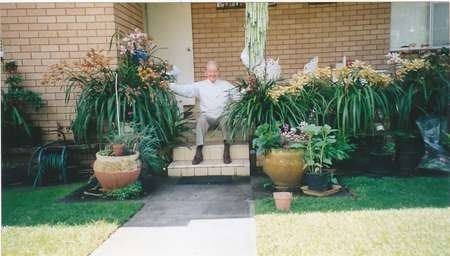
pixel 213 97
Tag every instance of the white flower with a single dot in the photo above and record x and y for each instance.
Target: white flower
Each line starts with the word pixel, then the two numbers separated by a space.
pixel 394 58
pixel 363 81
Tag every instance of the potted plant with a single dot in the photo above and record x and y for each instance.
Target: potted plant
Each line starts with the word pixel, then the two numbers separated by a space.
pixel 419 82
pixel 114 169
pixel 118 142
pixel 321 148
pixel 283 161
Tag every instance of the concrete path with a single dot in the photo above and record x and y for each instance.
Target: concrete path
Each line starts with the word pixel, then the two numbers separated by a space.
pixel 189 220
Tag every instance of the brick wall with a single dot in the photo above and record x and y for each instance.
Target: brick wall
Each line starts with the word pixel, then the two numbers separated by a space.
pixel 129 16
pixel 297 32
pixel 42 34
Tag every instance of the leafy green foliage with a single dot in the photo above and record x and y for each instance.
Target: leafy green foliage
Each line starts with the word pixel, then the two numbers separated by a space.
pixel 15 102
pixel 357 108
pixel 256 107
pixel 131 191
pixel 266 138
pixel 421 89
pixel 321 147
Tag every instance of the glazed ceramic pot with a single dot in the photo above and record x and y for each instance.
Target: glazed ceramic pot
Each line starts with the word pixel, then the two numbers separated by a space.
pixel 115 172
pixel 285 167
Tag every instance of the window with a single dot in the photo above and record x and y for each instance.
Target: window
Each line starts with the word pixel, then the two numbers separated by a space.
pixel 420 24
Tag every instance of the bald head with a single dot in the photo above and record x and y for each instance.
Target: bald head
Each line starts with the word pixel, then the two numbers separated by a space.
pixel 212 71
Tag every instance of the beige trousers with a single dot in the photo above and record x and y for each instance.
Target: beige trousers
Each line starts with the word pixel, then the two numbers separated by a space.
pixel 204 122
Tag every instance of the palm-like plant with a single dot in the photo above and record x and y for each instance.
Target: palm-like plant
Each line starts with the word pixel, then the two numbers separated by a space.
pixel 421 86
pixel 256 107
pixel 360 99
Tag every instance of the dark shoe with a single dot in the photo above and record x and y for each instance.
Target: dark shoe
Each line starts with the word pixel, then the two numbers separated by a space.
pixel 226 153
pixel 198 158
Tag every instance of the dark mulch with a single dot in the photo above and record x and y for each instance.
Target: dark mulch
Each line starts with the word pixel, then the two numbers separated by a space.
pixel 91 192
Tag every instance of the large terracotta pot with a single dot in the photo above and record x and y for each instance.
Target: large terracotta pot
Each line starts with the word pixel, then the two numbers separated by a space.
pixel 285 167
pixel 115 172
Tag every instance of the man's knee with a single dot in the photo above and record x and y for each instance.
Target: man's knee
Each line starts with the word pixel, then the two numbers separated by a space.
pixel 202 123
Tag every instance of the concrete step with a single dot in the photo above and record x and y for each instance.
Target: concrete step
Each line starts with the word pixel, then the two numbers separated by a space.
pixel 211 152
pixel 181 168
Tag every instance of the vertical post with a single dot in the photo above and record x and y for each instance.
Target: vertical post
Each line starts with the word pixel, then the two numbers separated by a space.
pixel 256 21
pixel 117 104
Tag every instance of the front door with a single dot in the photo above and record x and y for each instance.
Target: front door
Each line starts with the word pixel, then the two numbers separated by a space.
pixel 170 25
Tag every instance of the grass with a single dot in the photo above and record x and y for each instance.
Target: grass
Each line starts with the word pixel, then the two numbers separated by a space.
pixel 370 232
pixel 370 193
pixel 37 223
pixel 389 216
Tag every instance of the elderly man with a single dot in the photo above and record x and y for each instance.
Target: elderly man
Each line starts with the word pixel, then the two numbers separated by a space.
pixel 213 94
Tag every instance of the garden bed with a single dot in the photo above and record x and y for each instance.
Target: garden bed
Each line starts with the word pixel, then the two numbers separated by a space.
pixel 91 192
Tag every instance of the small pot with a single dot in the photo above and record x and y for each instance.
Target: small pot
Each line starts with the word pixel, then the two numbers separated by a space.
pixel 118 149
pixel 319 182
pixel 282 200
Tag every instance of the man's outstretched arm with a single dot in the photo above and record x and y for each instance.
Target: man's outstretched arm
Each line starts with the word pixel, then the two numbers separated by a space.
pixel 185 90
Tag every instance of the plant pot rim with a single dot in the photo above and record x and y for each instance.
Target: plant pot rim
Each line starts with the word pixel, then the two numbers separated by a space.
pixel 120 172
pixel 117 158
pixel 282 195
pixel 323 172
pixel 287 149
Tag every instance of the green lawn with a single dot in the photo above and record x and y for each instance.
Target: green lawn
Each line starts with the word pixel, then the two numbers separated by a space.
pixel 37 223
pixel 371 193
pixel 389 216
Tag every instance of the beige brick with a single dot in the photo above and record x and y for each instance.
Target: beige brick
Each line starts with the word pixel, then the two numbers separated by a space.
pixel 65 19
pixel 27 19
pixel 45 5
pixel 16 12
pixel 59 55
pixel 48 34
pixel 37 26
pixel 56 11
pixel 76 11
pixel 95 11
pixel 57 26
pixel 40 55
pixel 85 18
pixel 35 12
pixel 46 19
pixel 78 40
pixel 104 18
pixel 49 48
pixel 84 5
pixel 67 33
pixel 17 27
pixel 75 26
pixel 7 20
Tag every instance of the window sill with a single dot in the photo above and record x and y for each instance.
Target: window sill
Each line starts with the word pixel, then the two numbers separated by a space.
pixel 418 49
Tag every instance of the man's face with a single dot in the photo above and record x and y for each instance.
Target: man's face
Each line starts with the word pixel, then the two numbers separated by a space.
pixel 212 73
